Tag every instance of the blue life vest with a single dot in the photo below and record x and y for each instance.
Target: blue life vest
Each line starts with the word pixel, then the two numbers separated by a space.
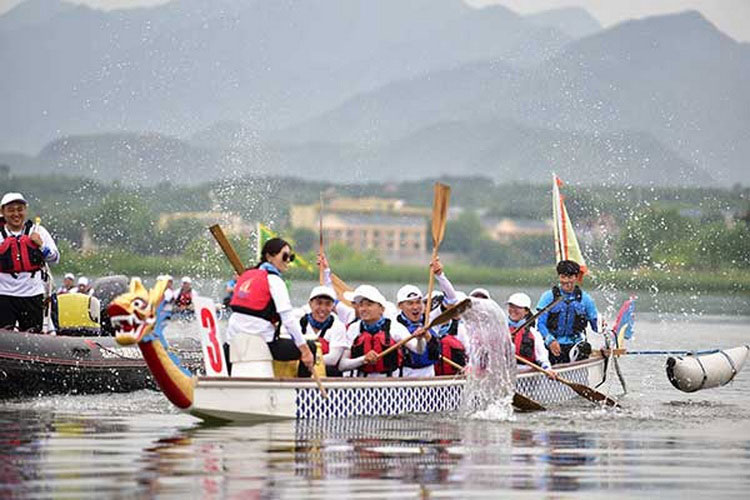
pixel 431 353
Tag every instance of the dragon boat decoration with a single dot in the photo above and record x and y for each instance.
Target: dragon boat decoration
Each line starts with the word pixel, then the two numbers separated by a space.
pixel 139 320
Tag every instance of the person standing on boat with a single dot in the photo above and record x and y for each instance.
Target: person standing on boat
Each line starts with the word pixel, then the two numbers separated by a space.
pixel 183 302
pixel 261 305
pixel 324 327
pixel 25 247
pixel 67 284
pixel 564 326
pixel 83 287
pixel 528 342
pixel 372 334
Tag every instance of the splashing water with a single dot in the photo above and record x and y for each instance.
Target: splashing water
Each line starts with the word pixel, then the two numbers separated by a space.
pixel 491 380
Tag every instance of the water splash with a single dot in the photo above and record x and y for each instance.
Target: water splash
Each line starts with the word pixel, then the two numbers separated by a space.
pixel 491 379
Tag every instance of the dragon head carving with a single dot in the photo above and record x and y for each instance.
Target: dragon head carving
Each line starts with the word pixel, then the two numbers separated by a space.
pixel 134 314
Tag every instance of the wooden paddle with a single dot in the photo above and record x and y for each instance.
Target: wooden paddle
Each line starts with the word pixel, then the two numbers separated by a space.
pixel 438 320
pixel 234 259
pixel 520 401
pixel 227 247
pixel 439 216
pixel 583 390
pixel 321 279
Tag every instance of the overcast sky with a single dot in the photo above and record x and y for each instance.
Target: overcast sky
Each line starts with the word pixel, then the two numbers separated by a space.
pixel 730 16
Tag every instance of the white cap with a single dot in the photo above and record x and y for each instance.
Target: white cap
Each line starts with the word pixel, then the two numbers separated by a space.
pixel 186 279
pixel 11 197
pixel 520 299
pixel 168 277
pixel 70 276
pixel 368 292
pixel 480 293
pixel 83 280
pixel 408 292
pixel 322 291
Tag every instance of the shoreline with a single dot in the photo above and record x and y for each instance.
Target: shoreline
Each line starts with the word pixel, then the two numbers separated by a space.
pixel 725 280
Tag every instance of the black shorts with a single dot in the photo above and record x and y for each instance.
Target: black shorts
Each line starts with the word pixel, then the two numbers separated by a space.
pixel 25 312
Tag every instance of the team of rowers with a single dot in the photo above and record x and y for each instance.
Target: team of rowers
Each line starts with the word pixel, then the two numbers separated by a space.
pixel 354 333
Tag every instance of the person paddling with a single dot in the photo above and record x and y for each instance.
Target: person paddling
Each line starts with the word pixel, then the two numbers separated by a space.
pixel 411 315
pixel 564 325
pixel 528 342
pixel 261 305
pixel 372 334
pixel 25 247
pixel 321 325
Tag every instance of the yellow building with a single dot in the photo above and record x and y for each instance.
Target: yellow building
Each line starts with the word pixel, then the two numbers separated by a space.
pixel 388 226
pixel 506 229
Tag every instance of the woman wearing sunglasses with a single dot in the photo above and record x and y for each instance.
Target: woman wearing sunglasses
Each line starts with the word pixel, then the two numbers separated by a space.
pixel 261 304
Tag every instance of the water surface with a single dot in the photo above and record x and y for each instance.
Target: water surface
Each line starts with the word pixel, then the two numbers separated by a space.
pixel 664 442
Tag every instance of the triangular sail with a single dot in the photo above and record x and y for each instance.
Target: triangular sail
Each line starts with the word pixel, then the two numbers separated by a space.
pixel 566 243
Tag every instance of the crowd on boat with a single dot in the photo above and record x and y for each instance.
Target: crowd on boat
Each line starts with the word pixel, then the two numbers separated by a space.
pixel 356 332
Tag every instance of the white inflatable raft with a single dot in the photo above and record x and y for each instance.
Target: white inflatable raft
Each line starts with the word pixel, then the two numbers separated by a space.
pixel 692 373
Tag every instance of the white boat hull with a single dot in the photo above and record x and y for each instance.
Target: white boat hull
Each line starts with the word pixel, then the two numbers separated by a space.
pixel 693 373
pixel 263 399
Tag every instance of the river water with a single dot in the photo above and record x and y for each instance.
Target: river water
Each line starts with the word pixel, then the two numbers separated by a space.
pixel 663 442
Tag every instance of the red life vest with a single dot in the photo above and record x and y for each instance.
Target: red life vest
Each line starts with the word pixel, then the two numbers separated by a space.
pixel 184 299
pixel 19 253
pixel 324 345
pixel 524 342
pixel 451 348
pixel 377 342
pixel 252 296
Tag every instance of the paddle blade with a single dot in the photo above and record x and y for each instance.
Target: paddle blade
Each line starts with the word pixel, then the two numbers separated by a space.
pixel 339 286
pixel 449 313
pixel 591 394
pixel 524 404
pixel 439 212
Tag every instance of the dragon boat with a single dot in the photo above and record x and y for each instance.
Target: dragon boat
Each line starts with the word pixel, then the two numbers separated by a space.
pixel 139 321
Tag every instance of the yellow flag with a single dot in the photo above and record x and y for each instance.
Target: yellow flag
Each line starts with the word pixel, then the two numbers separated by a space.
pixel 566 243
pixel 265 233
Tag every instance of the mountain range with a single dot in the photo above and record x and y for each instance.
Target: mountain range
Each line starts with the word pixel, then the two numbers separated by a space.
pixel 357 90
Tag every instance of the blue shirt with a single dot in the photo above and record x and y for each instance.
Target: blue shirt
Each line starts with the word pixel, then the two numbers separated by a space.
pixel 567 310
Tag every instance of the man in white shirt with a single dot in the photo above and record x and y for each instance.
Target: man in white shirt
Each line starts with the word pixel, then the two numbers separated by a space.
pixel 67 284
pixel 25 247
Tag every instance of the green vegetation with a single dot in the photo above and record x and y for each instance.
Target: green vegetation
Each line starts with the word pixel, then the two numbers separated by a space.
pixel 636 237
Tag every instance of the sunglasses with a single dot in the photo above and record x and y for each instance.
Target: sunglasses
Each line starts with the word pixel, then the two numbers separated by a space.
pixel 288 257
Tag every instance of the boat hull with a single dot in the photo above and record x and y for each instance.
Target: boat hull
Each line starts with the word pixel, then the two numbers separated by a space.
pixel 694 373
pixel 33 364
pixel 258 399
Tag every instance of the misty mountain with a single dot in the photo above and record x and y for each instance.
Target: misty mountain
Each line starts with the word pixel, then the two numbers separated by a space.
pixel 386 89
pixel 176 68
pixel 675 78
pixel 502 150
pixel 573 21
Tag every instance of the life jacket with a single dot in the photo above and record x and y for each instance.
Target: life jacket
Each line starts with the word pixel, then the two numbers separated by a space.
pixel 19 253
pixel 324 345
pixel 450 348
pixel 580 320
pixel 252 296
pixel 184 298
pixel 431 353
pixel 378 342
pixel 524 342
